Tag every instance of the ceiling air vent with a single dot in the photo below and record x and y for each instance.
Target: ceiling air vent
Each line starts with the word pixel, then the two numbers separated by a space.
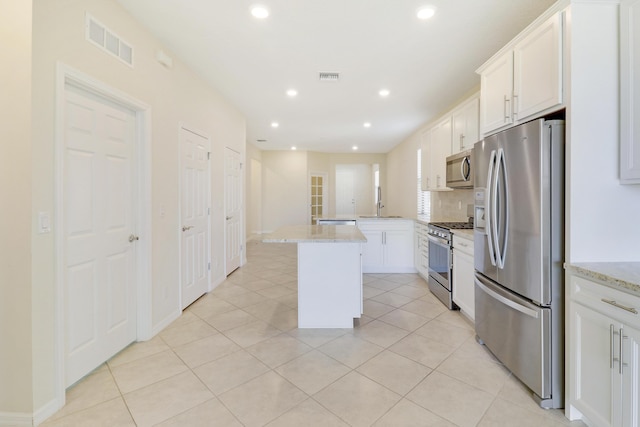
pixel 107 40
pixel 329 77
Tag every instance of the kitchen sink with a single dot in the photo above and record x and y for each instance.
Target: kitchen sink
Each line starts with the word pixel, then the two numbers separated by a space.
pixel 382 216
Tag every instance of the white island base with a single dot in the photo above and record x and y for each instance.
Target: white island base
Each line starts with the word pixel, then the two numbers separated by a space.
pixel 329 273
pixel 329 284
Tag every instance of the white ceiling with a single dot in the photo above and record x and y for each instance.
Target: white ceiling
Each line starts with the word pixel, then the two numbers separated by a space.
pixel 374 44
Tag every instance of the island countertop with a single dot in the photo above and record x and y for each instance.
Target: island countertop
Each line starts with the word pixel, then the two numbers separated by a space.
pixel 316 234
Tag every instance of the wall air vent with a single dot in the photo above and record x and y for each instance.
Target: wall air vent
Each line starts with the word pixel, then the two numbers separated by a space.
pixel 329 77
pixel 107 40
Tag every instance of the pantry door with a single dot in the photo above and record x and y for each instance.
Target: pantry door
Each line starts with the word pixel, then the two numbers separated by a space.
pixel 233 210
pixel 318 196
pixel 194 215
pixel 99 230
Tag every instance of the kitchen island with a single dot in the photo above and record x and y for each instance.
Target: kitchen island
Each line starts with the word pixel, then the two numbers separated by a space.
pixel 329 273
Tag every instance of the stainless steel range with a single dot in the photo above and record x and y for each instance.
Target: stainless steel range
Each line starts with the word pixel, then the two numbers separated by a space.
pixel 441 259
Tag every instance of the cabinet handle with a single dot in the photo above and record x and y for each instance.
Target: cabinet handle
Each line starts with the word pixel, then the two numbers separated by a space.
pixel 622 338
pixel 437 181
pixel 515 105
pixel 620 349
pixel 461 141
pixel 611 345
pixel 615 304
pixel 507 116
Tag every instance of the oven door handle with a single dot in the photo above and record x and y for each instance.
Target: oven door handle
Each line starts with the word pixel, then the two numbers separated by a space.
pixel 438 241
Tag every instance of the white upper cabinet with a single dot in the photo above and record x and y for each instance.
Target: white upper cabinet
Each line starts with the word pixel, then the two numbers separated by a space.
pixel 525 80
pixel 466 130
pixel 496 88
pixel 537 70
pixel 425 161
pixel 453 132
pixel 630 92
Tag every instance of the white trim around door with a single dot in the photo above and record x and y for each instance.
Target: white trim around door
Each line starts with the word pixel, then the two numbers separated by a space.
pixel 65 76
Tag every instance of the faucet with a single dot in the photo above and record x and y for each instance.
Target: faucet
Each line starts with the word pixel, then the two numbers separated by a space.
pixel 379 205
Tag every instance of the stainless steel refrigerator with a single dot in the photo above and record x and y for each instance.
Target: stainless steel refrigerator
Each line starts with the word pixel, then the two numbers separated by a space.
pixel 519 234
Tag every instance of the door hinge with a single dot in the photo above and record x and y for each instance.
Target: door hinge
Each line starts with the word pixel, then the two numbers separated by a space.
pixel 209 266
pixel 240 165
pixel 241 247
pixel 208 211
pixel 208 155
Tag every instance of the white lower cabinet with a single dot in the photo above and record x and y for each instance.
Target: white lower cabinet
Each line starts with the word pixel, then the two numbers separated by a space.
pixel 463 272
pixel 603 355
pixel 389 247
pixel 421 250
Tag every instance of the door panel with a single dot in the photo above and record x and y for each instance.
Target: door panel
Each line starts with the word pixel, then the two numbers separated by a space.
pixel 98 205
pixel 233 210
pixel 194 213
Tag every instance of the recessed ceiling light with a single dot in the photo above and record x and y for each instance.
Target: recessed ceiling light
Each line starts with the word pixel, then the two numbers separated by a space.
pixel 293 148
pixel 275 124
pixel 259 12
pixel 426 12
pixel 292 92
pixel 354 148
pixel 384 93
pixel 367 124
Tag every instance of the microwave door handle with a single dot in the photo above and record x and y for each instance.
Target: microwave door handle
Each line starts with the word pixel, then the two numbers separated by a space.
pixel 465 168
pixel 489 211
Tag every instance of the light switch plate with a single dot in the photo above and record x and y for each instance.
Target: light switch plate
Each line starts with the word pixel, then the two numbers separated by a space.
pixel 44 222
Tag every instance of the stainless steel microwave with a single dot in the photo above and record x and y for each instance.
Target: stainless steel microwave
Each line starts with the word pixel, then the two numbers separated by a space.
pixel 459 172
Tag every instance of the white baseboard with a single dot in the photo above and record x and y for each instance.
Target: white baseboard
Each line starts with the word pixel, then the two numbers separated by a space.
pixel 165 322
pixel 46 411
pixel 16 419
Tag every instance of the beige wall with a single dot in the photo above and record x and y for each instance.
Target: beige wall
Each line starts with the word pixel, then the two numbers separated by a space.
pixel 16 385
pixel 402 176
pixel 284 192
pixel 175 96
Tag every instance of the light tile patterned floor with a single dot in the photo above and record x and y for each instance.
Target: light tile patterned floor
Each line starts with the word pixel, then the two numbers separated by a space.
pixel 236 358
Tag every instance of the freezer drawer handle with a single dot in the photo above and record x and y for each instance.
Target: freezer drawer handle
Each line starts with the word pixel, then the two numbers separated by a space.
pixel 615 304
pixel 522 309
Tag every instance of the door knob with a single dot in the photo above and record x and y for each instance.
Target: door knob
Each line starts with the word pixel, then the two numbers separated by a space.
pixel 187 227
pixel 229 217
pixel 133 238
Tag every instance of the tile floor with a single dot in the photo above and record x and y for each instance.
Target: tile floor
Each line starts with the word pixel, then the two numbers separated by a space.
pixel 236 358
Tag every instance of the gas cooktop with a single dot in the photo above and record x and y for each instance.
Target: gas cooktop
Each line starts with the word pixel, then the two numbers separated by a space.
pixel 453 225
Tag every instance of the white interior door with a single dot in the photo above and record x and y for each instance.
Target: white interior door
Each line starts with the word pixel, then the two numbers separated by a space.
pixel 194 214
pixel 318 196
pixel 233 210
pixel 345 191
pixel 99 199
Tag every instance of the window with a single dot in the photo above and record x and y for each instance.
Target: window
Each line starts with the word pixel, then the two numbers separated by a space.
pixel 424 197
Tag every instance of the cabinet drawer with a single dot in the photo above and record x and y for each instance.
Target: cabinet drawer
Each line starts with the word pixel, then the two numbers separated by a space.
pixel 611 302
pixel 463 245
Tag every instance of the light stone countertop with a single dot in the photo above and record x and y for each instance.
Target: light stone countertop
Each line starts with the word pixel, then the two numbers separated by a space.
pixel 316 234
pixel 623 276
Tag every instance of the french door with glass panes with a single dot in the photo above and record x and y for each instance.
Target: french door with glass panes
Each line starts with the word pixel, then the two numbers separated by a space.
pixel 318 196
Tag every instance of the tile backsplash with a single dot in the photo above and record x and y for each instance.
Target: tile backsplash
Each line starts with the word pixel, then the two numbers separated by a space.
pixel 450 205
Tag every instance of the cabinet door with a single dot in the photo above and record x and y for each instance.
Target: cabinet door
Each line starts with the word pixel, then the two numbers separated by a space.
pixel 373 250
pixel 440 149
pixel 425 162
pixel 465 126
pixel 630 398
pixel 496 87
pixel 463 287
pixel 398 249
pixel 537 65
pixel 591 364
pixel 630 92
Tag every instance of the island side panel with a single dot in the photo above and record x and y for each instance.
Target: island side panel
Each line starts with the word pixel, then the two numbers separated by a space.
pixel 329 284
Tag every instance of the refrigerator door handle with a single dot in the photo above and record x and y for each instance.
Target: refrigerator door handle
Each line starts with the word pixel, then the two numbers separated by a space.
pixel 501 230
pixel 489 210
pixel 506 301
